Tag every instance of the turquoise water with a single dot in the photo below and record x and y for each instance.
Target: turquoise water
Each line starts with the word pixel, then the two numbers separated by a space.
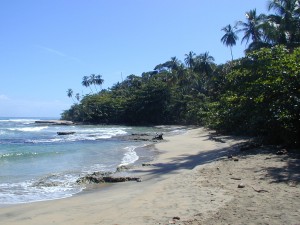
pixel 36 164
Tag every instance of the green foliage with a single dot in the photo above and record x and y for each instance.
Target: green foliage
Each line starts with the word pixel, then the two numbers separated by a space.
pixel 262 96
pixel 148 105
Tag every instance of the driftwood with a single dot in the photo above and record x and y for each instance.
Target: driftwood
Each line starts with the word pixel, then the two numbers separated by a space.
pixel 259 190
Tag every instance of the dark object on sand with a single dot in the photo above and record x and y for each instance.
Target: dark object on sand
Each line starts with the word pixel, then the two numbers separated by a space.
pixel 66 132
pixel 158 137
pixel 241 185
pixel 282 152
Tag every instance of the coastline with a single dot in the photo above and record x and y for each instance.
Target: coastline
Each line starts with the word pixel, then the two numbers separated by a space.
pixel 189 182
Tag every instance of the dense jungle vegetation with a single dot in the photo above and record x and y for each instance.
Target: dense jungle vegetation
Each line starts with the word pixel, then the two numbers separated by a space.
pixel 258 94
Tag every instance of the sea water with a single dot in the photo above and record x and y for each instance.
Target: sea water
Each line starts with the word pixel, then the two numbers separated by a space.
pixel 37 164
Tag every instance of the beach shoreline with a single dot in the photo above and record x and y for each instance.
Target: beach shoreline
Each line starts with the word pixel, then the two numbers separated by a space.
pixel 191 181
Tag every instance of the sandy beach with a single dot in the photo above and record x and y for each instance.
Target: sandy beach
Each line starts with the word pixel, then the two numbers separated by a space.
pixel 192 181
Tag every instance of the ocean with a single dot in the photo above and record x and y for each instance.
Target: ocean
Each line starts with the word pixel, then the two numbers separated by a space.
pixel 37 164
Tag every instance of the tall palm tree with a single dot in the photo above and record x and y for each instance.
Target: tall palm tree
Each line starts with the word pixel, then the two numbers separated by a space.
pixel 70 93
pixel 189 59
pixel 252 28
pixel 98 80
pixel 77 96
pixel 92 80
pixel 230 37
pixel 286 21
pixel 86 82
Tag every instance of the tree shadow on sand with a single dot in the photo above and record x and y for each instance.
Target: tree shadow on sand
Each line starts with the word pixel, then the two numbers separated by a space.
pixel 289 173
pixel 188 162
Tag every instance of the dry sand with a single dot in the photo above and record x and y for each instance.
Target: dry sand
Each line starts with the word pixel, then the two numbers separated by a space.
pixel 191 182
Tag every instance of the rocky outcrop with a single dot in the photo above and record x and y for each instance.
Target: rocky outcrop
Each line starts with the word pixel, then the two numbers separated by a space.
pixel 55 122
pixel 97 177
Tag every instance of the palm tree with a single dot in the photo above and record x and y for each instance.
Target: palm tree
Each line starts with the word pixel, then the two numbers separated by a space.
pixel 173 66
pixel 77 96
pixel 86 82
pixel 189 59
pixel 169 65
pixel 204 63
pixel 229 38
pixel 252 28
pixel 286 21
pixel 92 80
pixel 70 93
pixel 99 81
pixel 174 63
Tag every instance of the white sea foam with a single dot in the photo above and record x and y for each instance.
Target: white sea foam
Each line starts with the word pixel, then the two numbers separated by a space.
pixel 130 156
pixel 81 135
pixel 48 188
pixel 43 140
pixel 103 131
pixel 28 129
pixel 18 154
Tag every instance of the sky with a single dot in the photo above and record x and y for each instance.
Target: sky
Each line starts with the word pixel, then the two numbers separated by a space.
pixel 47 46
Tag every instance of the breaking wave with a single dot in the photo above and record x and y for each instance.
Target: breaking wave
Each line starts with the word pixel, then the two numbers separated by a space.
pixel 28 129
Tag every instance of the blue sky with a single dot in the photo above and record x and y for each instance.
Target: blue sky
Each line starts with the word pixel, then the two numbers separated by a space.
pixel 47 46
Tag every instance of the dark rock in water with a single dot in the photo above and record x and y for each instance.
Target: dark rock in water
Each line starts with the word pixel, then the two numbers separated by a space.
pixel 146 164
pixel 123 168
pixel 95 177
pixel 158 137
pixel 141 134
pixel 66 132
pixel 104 178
